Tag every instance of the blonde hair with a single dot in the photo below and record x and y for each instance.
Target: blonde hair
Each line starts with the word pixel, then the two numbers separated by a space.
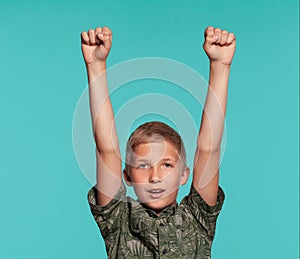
pixel 155 131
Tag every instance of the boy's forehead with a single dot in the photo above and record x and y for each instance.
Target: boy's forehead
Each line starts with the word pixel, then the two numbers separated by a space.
pixel 155 151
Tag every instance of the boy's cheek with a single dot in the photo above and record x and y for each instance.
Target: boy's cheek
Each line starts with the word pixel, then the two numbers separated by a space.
pixel 138 179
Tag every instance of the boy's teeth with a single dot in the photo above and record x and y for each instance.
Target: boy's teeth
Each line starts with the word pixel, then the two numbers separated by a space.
pixel 156 191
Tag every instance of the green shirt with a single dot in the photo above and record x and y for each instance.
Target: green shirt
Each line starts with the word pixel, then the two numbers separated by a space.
pixel 180 231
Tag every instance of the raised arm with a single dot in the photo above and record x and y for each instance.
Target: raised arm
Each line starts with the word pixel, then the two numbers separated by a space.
pixel 219 46
pixel 95 45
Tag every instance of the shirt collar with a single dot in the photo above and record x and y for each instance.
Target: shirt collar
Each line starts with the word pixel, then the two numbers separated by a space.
pixel 143 222
pixel 166 212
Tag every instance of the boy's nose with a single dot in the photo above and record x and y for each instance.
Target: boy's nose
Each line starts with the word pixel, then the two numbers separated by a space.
pixel 155 175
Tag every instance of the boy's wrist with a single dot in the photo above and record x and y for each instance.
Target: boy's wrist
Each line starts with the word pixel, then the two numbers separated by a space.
pixel 96 66
pixel 218 69
pixel 94 69
pixel 219 65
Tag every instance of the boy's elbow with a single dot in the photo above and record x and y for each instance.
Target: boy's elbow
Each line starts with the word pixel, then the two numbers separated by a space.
pixel 108 149
pixel 210 149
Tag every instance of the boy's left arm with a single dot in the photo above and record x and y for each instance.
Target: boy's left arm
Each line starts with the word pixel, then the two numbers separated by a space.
pixel 219 46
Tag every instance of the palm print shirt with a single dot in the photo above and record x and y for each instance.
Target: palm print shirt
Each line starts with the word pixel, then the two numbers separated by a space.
pixel 179 231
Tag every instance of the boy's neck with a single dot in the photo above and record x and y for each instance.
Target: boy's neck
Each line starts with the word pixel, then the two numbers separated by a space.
pixel 157 213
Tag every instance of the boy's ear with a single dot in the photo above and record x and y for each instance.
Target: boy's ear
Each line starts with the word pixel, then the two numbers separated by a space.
pixel 127 178
pixel 185 175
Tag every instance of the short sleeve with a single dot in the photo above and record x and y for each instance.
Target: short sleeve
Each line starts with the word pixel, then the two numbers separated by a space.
pixel 108 217
pixel 205 214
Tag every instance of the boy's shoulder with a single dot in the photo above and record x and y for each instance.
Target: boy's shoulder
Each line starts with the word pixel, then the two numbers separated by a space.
pixel 194 200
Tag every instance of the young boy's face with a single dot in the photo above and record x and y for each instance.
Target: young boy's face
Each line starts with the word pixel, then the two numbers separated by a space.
pixel 156 172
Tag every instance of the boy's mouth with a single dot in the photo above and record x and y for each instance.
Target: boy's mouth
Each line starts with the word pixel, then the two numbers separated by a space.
pixel 156 193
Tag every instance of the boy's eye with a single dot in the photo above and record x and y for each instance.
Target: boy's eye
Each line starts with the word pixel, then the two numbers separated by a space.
pixel 143 166
pixel 167 165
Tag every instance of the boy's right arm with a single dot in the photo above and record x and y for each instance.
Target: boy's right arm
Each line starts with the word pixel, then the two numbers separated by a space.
pixel 95 45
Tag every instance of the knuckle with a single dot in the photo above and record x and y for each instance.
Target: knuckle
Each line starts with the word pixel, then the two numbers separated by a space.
pixel 108 30
pixel 209 28
pixel 208 31
pixel 231 35
pixel 84 36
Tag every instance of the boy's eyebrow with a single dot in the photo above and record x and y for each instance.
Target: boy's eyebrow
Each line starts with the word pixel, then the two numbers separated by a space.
pixel 141 160
pixel 168 159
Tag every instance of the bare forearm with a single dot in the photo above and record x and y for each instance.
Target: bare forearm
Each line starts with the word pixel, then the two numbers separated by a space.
pixel 101 109
pixel 212 124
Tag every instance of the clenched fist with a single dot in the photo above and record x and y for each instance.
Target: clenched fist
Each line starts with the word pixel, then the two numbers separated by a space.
pixel 96 44
pixel 219 45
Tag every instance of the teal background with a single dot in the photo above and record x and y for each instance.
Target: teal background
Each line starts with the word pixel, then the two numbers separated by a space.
pixel 44 211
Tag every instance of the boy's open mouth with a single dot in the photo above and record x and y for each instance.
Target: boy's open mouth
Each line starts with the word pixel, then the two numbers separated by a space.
pixel 156 193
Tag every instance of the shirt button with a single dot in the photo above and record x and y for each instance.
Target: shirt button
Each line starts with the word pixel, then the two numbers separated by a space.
pixel 164 251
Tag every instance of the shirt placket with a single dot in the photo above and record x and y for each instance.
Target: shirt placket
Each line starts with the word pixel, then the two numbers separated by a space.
pixel 162 233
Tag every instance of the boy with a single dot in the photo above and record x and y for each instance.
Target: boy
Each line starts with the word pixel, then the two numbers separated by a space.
pixel 155 226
